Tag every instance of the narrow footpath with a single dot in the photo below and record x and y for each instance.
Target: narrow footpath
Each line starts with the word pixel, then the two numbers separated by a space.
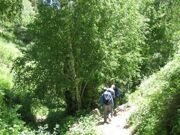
pixel 119 123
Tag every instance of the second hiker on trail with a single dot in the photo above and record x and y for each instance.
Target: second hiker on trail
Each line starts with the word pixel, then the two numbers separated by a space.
pixel 117 94
pixel 106 100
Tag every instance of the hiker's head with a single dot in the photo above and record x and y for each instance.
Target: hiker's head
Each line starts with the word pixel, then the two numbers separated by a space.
pixel 113 86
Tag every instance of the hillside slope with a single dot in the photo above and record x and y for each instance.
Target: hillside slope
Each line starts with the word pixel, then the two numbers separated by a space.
pixel 158 101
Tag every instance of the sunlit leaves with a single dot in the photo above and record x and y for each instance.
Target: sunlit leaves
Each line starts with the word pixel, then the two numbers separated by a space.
pixel 10 10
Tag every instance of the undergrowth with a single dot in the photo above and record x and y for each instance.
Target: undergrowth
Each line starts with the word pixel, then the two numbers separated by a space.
pixel 158 102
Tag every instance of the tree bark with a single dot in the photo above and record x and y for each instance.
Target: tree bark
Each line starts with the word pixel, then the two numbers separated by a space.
pixel 74 103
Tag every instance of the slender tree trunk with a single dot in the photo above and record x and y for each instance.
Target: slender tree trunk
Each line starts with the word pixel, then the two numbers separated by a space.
pixel 78 96
pixel 25 110
pixel 74 90
pixel 74 103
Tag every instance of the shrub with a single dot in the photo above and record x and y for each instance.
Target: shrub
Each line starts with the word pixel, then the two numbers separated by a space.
pixel 157 99
pixel 86 125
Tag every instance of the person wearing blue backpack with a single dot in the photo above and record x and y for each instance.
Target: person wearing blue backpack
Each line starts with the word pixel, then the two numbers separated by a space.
pixel 106 101
pixel 117 92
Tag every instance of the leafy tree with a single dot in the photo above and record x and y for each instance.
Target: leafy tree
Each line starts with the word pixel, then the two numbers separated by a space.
pixel 161 24
pixel 77 48
pixel 10 10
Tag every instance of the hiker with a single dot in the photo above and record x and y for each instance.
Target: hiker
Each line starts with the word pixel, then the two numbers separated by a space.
pixel 52 3
pixel 111 89
pixel 106 100
pixel 117 94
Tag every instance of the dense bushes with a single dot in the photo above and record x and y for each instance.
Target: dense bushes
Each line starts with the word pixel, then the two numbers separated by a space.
pixel 157 97
pixel 85 125
pixel 161 24
pixel 10 11
pixel 8 53
pixel 9 119
pixel 158 102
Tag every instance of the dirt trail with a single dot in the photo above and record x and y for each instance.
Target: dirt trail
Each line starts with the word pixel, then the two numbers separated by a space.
pixel 118 124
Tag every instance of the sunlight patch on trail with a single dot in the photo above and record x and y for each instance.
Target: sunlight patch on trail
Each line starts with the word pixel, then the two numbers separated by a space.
pixel 118 123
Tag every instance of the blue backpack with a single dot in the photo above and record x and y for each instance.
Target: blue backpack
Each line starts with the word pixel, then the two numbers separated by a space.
pixel 117 93
pixel 52 3
pixel 107 97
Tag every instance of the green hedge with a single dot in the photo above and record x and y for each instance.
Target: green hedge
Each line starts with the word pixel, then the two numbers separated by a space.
pixel 157 100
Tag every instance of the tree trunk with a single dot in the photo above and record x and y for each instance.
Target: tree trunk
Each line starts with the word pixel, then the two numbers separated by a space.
pixel 73 102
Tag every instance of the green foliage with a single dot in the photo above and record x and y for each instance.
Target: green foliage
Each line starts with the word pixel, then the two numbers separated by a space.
pixel 122 37
pixel 86 125
pixel 42 130
pixel 162 24
pixel 158 102
pixel 10 10
pixel 157 97
pixel 176 124
pixel 67 124
pixel 18 129
pixel 8 53
pixel 11 122
pixel 68 56
pixel 81 123
pixel 9 119
pixel 28 12
pixel 82 46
